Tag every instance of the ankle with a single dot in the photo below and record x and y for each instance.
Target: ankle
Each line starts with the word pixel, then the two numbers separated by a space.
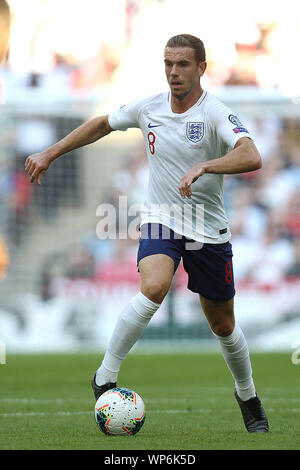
pixel 103 376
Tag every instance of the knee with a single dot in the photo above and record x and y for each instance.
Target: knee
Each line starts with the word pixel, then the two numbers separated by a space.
pixel 155 290
pixel 224 328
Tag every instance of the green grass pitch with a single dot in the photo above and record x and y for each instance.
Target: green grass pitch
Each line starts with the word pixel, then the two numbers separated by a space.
pixel 46 403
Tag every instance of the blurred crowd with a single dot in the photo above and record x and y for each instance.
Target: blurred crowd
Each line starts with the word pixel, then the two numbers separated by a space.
pixel 253 49
pixel 264 206
pixel 20 200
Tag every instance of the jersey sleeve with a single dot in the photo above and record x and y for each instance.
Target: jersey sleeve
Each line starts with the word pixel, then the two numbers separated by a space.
pixel 227 125
pixel 126 116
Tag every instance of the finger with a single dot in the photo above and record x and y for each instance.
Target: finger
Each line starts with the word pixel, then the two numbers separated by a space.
pixel 34 174
pixel 39 177
pixel 188 192
pixel 27 165
pixel 187 188
pixel 181 188
pixel 30 168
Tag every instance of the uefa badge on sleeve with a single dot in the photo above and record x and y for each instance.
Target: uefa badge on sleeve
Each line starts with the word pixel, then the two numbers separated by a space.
pixel 239 126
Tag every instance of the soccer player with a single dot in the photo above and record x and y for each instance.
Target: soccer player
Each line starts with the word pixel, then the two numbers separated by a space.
pixel 192 139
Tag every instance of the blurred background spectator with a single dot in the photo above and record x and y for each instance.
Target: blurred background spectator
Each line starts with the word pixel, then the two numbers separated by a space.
pixel 4 43
pixel 100 45
pixel 4 28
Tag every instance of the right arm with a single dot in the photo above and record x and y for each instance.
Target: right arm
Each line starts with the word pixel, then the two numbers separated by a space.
pixel 37 164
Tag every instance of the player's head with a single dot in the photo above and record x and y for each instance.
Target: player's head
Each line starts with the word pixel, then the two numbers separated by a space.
pixel 184 63
pixel 4 28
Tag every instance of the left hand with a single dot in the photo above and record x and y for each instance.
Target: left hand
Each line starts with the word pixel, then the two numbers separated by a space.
pixel 190 177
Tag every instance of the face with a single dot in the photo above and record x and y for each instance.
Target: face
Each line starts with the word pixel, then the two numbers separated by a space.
pixel 182 71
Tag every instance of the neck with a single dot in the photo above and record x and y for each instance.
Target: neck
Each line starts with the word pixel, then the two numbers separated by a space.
pixel 180 105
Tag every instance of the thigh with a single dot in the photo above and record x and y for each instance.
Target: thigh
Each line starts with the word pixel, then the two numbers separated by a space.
pixel 157 239
pixel 156 272
pixel 158 257
pixel 158 266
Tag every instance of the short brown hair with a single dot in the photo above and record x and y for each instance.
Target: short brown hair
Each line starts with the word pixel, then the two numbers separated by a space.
pixel 187 40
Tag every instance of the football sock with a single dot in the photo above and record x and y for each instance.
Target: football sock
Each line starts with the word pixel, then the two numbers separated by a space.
pixel 236 354
pixel 130 325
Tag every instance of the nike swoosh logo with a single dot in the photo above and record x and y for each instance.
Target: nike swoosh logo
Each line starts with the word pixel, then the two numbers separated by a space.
pixel 157 125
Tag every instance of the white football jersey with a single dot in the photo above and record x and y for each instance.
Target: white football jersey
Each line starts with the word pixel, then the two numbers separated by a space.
pixel 174 144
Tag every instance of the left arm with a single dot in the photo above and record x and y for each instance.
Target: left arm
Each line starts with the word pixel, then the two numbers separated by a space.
pixel 243 158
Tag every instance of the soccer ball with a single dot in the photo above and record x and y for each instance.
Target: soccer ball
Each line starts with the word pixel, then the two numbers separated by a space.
pixel 120 411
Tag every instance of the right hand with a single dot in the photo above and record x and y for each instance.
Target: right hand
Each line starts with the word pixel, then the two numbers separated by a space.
pixel 36 166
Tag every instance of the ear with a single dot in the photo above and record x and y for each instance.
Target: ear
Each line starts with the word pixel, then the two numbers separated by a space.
pixel 202 67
